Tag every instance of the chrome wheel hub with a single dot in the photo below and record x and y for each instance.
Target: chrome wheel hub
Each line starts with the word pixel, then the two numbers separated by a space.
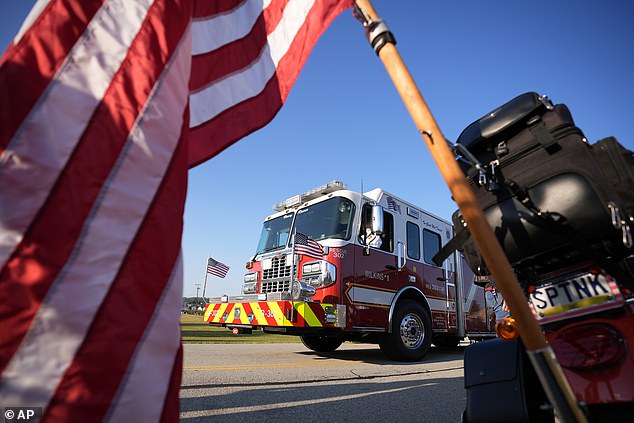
pixel 412 331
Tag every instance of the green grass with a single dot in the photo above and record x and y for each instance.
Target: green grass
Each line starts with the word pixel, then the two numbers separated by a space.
pixel 195 331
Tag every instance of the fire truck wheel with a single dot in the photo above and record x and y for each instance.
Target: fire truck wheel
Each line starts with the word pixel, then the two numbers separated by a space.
pixel 320 343
pixel 411 333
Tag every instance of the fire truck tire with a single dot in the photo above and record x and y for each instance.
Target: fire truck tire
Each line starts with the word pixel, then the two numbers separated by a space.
pixel 411 333
pixel 320 343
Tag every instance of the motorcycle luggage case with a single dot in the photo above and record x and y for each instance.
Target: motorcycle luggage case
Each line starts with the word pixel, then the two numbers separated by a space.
pixel 501 385
pixel 617 162
pixel 535 146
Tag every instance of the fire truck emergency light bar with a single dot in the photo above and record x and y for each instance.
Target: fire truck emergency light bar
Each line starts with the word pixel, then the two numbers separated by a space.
pixel 309 195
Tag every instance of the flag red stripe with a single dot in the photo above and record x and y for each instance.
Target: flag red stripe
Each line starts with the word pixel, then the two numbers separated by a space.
pixel 76 290
pixel 128 307
pixel 151 365
pixel 213 136
pixel 171 408
pixel 31 270
pixel 319 18
pixel 211 100
pixel 36 58
pixel 52 130
pixel 232 57
pixel 219 269
pixel 204 9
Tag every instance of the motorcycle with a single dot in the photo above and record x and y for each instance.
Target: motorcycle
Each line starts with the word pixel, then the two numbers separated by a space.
pixel 587 316
pixel 562 211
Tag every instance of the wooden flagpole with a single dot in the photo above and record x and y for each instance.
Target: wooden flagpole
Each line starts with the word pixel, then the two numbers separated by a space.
pixel 490 249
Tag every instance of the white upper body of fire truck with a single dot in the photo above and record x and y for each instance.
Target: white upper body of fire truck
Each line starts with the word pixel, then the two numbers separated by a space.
pixel 335 265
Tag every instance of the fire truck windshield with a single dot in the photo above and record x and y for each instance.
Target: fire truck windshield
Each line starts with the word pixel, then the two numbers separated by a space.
pixel 275 233
pixel 329 219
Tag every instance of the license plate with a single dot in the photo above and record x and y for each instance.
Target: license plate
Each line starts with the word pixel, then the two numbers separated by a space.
pixel 574 295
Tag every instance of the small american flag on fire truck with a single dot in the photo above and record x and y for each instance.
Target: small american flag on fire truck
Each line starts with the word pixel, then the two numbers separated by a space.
pixel 305 245
pixel 216 268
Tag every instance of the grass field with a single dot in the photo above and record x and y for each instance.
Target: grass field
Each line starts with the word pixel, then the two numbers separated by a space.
pixel 195 331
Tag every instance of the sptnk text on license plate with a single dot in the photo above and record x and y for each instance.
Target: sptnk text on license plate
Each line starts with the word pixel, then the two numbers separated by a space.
pixel 574 295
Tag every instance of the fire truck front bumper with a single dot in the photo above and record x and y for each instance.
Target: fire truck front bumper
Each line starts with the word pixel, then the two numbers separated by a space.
pixel 243 311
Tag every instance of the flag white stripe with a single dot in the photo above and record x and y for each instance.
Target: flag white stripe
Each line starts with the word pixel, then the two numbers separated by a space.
pixel 64 318
pixel 141 396
pixel 38 153
pixel 209 34
pixel 210 101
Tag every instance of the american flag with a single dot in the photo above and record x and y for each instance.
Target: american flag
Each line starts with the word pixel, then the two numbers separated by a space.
pixel 250 56
pixel 306 246
pixel 93 106
pixel 217 268
pixel 393 205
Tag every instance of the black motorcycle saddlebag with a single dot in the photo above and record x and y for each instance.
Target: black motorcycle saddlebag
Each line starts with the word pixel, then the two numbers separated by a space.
pixel 537 179
pixel 501 385
pixel 617 162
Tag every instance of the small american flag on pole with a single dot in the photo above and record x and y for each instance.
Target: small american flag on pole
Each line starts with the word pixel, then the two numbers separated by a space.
pixel 306 246
pixel 216 268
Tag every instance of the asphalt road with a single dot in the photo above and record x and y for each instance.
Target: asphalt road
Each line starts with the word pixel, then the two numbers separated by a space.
pixel 289 383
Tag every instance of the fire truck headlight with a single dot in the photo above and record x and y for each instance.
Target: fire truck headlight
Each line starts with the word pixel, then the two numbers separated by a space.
pixel 250 281
pixel 301 291
pixel 319 273
pixel 248 288
pixel 311 267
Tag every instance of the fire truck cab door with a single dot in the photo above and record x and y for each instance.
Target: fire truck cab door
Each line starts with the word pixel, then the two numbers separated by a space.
pixel 375 275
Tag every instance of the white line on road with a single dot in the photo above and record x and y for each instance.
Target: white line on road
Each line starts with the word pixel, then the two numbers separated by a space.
pixel 312 401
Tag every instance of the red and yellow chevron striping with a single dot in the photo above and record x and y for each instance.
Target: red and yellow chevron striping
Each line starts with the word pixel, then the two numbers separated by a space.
pixel 268 313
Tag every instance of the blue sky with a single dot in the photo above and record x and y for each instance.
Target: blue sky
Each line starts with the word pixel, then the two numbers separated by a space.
pixel 344 120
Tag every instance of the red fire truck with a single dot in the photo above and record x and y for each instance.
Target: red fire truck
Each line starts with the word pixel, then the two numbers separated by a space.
pixel 314 275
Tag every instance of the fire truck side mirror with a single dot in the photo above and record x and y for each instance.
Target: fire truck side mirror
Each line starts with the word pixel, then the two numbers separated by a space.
pixel 376 219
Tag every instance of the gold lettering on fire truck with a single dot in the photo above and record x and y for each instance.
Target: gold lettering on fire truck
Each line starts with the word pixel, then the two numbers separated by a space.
pixel 434 286
pixel 375 275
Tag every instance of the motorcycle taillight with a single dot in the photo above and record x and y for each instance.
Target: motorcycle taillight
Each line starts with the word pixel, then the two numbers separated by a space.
pixel 588 346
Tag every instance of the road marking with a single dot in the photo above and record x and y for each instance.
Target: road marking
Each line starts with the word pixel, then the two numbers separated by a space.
pixel 312 401
pixel 275 366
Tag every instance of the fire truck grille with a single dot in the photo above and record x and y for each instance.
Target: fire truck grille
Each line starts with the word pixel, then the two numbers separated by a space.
pixel 278 269
pixel 277 278
pixel 275 286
